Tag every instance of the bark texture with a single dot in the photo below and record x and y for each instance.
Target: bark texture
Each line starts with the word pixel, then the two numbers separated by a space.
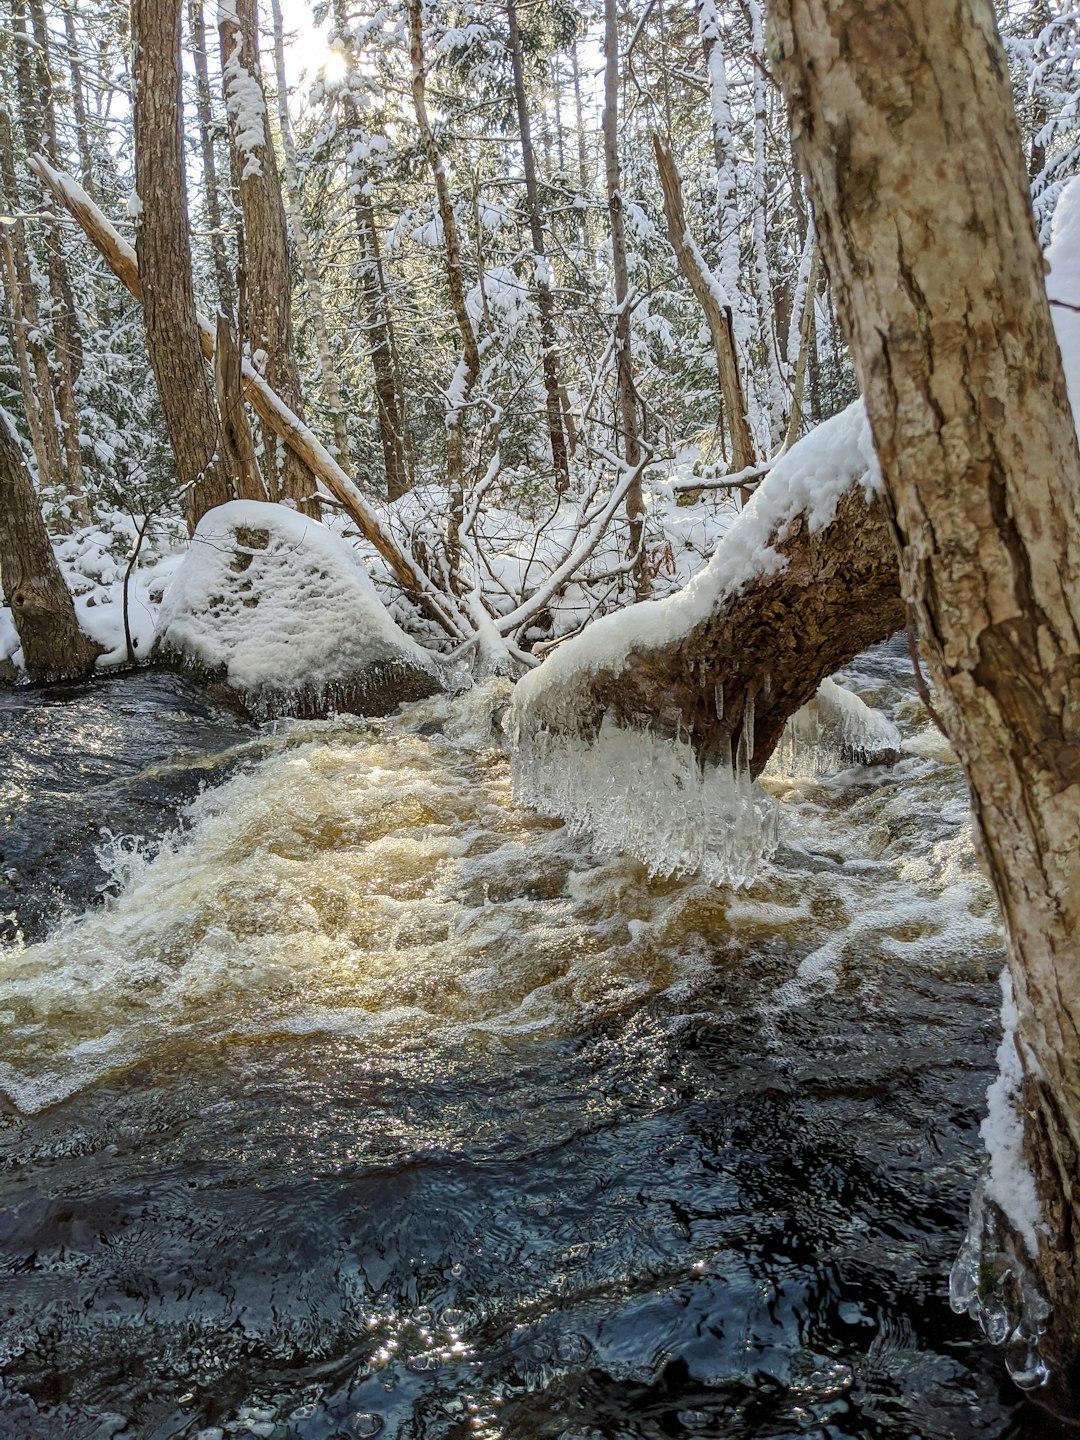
pixel 268 320
pixel 774 639
pixel 53 646
pixel 172 331
pixel 904 124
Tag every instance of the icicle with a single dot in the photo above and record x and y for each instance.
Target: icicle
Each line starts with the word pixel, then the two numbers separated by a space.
pixel 639 789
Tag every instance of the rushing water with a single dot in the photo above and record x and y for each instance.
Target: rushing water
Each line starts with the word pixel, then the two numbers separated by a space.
pixel 366 1103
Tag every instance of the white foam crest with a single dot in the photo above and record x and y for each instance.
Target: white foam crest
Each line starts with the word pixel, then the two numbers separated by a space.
pixel 377 888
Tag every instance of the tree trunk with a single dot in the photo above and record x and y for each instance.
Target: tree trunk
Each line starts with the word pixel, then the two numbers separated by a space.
pixel 225 283
pixel 624 372
pixel 78 103
pixel 329 378
pixel 15 318
pixel 26 318
pixel 53 646
pixel 716 307
pixel 584 184
pixel 461 385
pixel 39 128
pixel 544 303
pixel 172 331
pixel 235 431
pixel 268 322
pixel 904 123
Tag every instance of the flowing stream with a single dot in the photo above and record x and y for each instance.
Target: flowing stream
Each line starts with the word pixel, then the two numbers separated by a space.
pixel 342 1097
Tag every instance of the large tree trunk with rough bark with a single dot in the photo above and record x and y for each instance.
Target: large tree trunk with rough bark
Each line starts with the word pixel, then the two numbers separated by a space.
pixel 172 331
pixel 903 121
pixel 53 646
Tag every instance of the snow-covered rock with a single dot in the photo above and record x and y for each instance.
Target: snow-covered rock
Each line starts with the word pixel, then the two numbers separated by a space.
pixel 283 611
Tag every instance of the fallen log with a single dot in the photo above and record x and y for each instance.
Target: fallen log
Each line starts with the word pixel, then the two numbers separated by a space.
pixel 271 409
pixel 805 580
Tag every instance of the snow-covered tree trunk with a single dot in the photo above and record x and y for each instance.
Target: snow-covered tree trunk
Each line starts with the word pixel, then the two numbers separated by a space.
pixel 904 123
pixel 795 600
pixel 40 601
pixel 172 330
pixel 624 368
pixel 268 290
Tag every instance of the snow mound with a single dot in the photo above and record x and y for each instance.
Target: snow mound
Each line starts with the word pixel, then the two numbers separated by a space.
pixel 285 613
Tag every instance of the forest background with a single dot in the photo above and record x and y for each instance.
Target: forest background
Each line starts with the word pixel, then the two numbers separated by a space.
pixel 555 295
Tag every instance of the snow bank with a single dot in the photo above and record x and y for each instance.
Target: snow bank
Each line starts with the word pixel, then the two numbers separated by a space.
pixel 284 611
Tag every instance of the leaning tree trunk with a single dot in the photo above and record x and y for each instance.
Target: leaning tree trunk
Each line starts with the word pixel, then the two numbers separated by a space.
pixel 904 124
pixel 172 330
pixel 41 606
pixel 717 307
pixel 268 321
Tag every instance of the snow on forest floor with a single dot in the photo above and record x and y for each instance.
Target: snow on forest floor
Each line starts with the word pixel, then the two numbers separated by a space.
pixel 519 548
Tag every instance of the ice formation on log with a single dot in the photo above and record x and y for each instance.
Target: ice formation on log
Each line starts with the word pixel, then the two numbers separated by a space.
pixel 638 783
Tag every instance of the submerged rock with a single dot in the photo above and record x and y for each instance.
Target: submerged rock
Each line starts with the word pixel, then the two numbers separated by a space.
pixel 283 612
